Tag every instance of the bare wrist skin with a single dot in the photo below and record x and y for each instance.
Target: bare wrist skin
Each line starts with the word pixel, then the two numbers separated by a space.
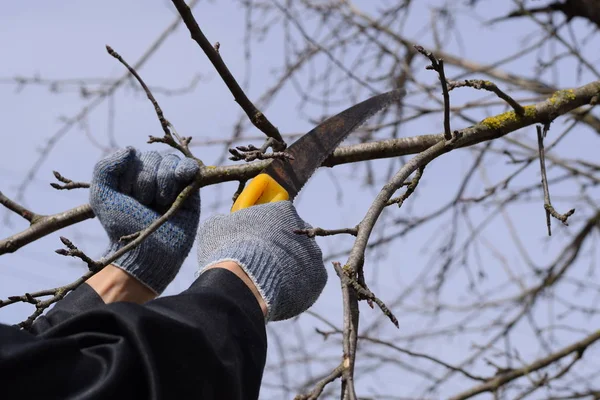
pixel 239 272
pixel 113 284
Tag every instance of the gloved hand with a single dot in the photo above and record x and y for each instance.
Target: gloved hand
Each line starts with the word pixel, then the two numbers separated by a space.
pixel 129 190
pixel 286 267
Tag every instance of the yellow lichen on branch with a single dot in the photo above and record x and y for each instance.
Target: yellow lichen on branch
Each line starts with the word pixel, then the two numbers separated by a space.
pixel 500 120
pixel 562 95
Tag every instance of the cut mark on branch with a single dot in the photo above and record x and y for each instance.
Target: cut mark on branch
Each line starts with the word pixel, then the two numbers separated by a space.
pixel 550 211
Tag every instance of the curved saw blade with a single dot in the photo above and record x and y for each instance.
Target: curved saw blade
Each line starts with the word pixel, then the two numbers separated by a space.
pixel 313 148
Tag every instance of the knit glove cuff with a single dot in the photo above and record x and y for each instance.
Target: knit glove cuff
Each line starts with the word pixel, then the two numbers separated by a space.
pixel 153 272
pixel 286 268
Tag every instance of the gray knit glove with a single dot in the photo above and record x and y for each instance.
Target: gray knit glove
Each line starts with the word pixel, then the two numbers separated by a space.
pixel 130 190
pixel 286 267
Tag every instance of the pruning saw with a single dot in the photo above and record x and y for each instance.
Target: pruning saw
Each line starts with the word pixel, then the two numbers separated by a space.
pixel 282 179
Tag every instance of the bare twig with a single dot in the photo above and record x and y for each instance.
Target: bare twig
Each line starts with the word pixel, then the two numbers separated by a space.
pixel 438 66
pixel 409 190
pixel 251 153
pixel 68 183
pixel 183 143
pixel 480 84
pixel 356 258
pixel 57 294
pixel 327 232
pixel 550 211
pixel 254 114
pixel 503 378
pixel 239 190
pixel 95 266
pixel 82 85
pixel 73 251
pixel 421 355
pixel 18 209
pixel 320 386
pixel 139 237
pixel 366 294
pixel 286 11
pixel 95 103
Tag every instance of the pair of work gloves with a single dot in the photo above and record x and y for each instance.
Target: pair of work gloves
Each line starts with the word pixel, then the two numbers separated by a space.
pixel 131 189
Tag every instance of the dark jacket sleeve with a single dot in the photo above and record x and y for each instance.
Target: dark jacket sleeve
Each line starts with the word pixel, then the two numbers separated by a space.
pixel 208 342
pixel 84 298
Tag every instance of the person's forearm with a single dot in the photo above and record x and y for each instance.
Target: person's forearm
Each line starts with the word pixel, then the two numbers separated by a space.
pixel 114 284
pixel 239 272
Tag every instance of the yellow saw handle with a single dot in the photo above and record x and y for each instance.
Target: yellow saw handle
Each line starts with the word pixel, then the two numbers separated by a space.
pixel 262 189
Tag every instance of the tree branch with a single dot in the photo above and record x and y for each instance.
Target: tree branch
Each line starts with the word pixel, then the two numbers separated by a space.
pixel 95 103
pixel 350 334
pixel 182 144
pixel 490 128
pixel 68 183
pixel 254 114
pixel 18 209
pixel 327 232
pixel 45 225
pixel 480 84
pixel 409 189
pixel 550 211
pixel 503 378
pixel 57 294
pixel 320 386
pixel 438 66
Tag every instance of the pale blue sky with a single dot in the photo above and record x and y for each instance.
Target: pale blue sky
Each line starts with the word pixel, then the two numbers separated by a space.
pixel 66 39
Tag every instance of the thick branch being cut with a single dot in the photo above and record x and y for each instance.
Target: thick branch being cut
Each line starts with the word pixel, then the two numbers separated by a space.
pixel 490 128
